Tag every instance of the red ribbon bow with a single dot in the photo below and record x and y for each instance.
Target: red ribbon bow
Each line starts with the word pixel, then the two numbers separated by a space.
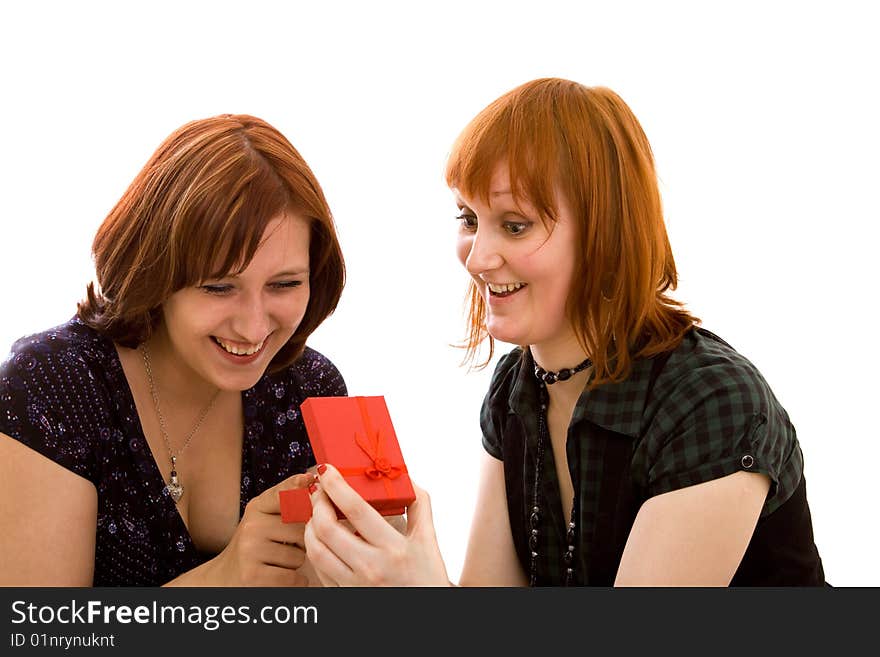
pixel 381 466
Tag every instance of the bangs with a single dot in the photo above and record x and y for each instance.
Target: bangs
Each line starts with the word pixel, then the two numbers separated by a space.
pixel 520 129
pixel 225 226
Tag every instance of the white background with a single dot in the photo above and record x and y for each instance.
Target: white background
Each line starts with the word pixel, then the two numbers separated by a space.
pixel 763 119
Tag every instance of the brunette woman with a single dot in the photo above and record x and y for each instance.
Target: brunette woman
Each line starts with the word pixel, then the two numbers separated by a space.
pixel 143 442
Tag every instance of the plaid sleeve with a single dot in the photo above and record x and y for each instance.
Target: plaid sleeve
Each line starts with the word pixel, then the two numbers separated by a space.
pixel 495 402
pixel 722 418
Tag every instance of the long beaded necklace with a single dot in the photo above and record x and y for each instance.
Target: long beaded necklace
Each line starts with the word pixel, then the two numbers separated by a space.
pixel 546 378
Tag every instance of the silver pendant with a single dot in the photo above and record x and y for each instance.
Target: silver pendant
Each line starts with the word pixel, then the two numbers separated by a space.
pixel 175 490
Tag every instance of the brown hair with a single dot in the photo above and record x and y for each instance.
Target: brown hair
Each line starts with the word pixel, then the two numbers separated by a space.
pixel 588 142
pixel 196 211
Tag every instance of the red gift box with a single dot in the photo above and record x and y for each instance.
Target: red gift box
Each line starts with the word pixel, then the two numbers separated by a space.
pixel 356 436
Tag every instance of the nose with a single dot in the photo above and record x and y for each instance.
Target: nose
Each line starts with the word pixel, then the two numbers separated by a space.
pixel 482 253
pixel 251 320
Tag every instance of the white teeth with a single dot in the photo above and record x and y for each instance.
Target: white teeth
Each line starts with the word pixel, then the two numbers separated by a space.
pixel 237 350
pixel 504 287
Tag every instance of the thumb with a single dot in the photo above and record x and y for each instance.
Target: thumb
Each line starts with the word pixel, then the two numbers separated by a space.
pixel 419 516
pixel 268 501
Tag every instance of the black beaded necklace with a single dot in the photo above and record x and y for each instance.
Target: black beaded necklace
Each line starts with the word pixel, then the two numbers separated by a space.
pixel 546 378
pixel 561 375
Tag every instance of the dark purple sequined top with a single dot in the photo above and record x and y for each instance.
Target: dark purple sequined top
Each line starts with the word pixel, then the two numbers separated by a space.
pixel 64 394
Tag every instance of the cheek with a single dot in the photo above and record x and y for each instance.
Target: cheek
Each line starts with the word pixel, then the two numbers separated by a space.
pixel 180 322
pixel 291 311
pixel 554 272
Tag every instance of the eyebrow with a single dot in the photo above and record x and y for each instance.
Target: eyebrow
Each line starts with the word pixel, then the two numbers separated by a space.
pixel 288 272
pixel 501 192
pixel 292 272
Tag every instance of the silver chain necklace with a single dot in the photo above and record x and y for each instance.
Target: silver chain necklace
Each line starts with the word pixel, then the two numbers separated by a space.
pixel 174 487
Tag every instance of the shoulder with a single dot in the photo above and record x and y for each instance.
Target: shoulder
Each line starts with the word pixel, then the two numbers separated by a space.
pixel 71 347
pixel 704 370
pixel 712 413
pixel 498 399
pixel 56 387
pixel 314 374
pixel 506 373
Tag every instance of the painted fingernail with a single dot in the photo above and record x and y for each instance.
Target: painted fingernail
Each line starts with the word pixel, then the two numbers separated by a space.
pixel 312 488
pixel 322 469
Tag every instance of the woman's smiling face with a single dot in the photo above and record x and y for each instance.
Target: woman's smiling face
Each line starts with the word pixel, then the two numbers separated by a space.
pixel 522 268
pixel 226 331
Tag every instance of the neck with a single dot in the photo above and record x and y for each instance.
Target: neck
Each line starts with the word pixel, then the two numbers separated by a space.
pixel 174 379
pixel 563 354
pixel 558 354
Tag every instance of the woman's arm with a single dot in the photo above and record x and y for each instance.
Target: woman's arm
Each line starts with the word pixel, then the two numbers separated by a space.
pixel 491 557
pixel 694 536
pixel 49 515
pixel 263 551
pixel 47 520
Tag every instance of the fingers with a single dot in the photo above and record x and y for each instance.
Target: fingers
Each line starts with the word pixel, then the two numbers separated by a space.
pixel 329 568
pixel 315 579
pixel 283 556
pixel 368 522
pixel 332 533
pixel 268 501
pixel 276 576
pixel 290 533
pixel 256 527
pixel 420 518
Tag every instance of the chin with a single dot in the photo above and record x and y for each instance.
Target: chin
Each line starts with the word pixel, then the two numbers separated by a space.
pixel 238 383
pixel 506 334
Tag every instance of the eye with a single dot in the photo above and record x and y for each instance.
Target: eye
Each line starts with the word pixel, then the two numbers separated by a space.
pixel 285 285
pixel 217 289
pixel 468 221
pixel 516 227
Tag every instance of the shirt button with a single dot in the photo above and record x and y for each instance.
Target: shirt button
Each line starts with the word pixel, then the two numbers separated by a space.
pixel 747 461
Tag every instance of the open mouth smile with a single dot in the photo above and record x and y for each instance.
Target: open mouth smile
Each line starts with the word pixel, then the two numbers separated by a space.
pixel 247 352
pixel 504 289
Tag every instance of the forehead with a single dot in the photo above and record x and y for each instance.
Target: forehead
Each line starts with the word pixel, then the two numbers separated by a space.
pixel 497 191
pixel 499 195
pixel 284 242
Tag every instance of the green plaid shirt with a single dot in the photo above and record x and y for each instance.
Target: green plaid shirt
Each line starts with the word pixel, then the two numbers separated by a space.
pixel 697 413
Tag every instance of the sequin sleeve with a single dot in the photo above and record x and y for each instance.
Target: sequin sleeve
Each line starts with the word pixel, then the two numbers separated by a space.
pixel 318 377
pixel 48 395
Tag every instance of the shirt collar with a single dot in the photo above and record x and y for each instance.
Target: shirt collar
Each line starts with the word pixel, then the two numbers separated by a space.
pixel 618 407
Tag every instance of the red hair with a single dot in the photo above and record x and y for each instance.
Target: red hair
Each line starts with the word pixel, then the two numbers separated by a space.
pixel 586 142
pixel 197 211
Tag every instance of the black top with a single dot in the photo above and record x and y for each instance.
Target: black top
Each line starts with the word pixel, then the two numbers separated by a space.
pixel 697 413
pixel 63 393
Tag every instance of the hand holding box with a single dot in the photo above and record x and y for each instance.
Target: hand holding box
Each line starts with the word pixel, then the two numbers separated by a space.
pixel 356 436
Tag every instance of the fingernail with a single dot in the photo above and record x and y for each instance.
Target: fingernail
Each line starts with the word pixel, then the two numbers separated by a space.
pixel 322 469
pixel 312 488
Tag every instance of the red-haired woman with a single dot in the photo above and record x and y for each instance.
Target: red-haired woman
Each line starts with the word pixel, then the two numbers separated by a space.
pixel 143 442
pixel 624 445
